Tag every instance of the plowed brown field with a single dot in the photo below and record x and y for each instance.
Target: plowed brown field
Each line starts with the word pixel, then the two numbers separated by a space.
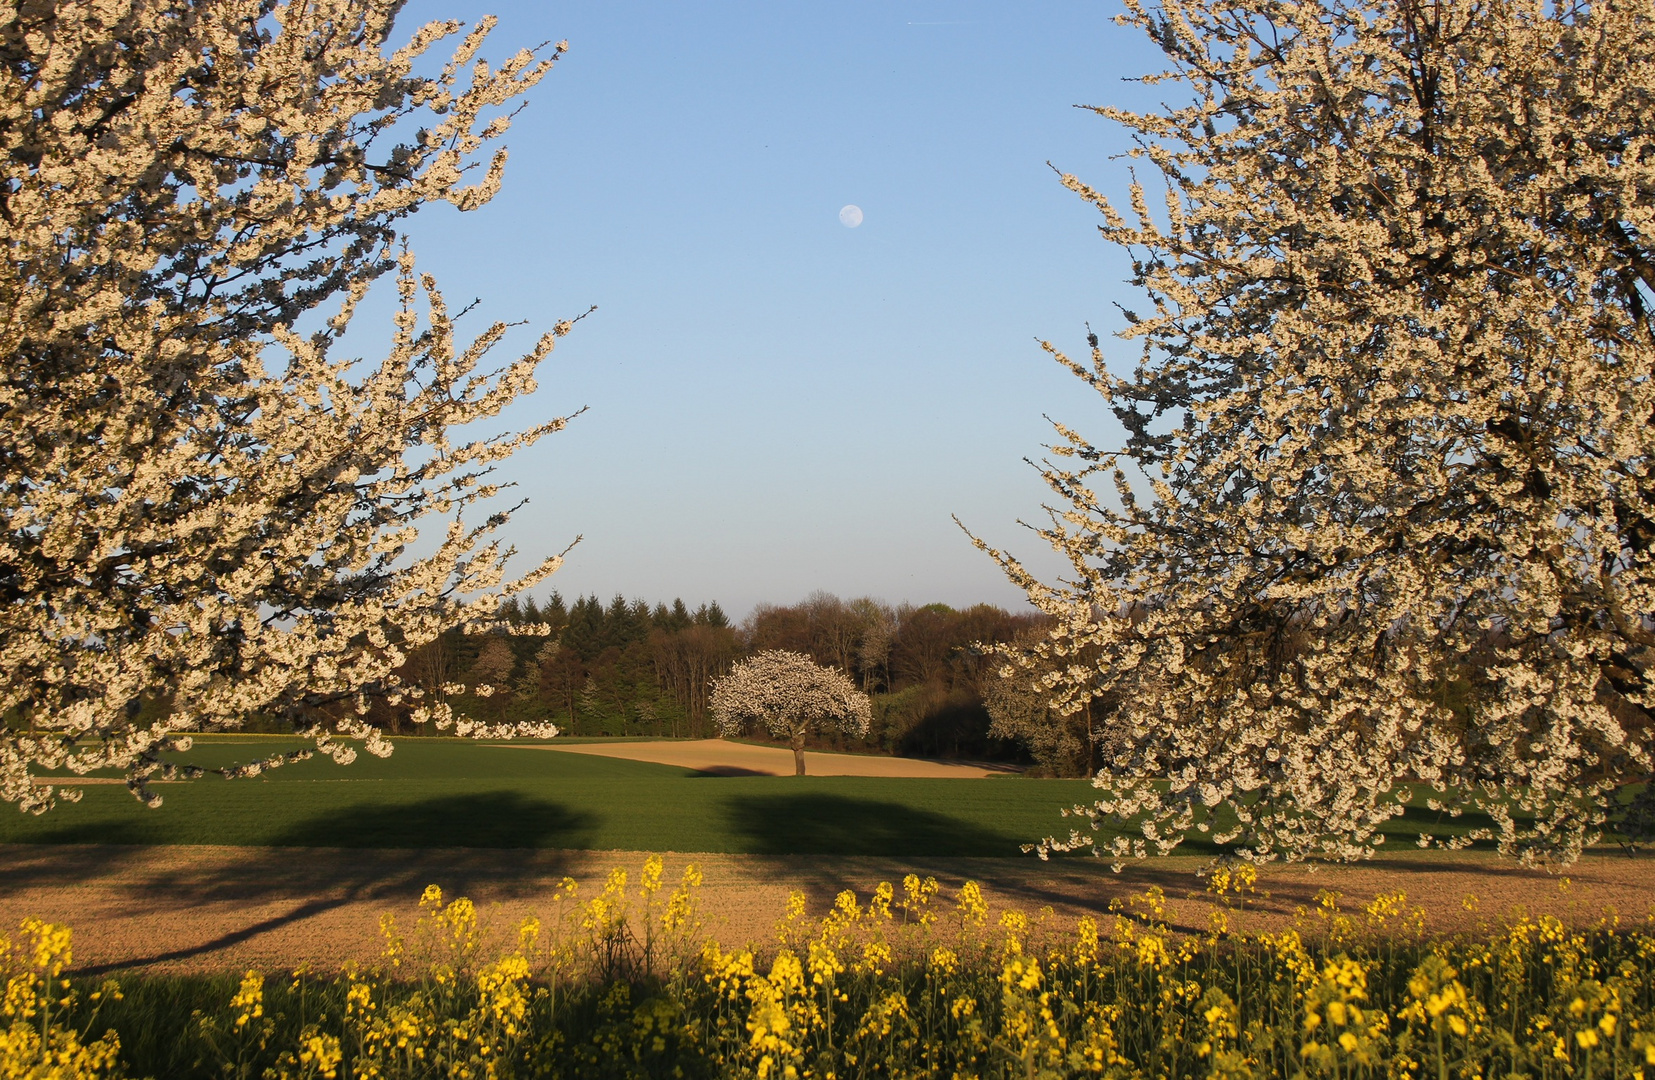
pixel 179 908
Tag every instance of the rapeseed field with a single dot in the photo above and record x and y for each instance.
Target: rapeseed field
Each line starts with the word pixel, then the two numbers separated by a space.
pixel 904 982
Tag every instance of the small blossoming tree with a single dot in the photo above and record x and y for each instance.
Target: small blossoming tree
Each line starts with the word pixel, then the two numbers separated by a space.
pixel 791 695
pixel 1383 525
pixel 205 511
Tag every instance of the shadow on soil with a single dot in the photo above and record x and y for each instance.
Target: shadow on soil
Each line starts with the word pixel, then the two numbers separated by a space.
pixel 394 852
pixel 812 823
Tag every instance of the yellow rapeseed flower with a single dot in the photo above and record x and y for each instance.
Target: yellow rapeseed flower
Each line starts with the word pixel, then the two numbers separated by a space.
pixel 248 1002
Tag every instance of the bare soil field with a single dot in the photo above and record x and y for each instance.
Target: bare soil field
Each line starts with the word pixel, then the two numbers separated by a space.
pixel 719 757
pixel 188 909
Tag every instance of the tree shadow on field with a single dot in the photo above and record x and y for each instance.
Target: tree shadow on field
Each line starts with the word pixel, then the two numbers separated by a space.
pixel 419 842
pixel 812 823
pixel 96 831
pixel 825 843
pixel 503 819
pixel 1418 819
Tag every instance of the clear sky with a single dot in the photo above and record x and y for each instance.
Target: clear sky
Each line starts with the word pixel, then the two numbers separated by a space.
pixel 778 403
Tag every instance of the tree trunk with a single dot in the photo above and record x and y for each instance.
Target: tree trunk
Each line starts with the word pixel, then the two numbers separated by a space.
pixel 798 753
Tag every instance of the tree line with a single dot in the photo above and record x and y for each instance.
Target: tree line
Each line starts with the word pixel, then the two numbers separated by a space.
pixel 627 667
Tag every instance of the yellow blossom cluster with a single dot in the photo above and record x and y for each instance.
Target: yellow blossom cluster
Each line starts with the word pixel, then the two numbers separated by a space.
pixel 902 983
pixel 41 1037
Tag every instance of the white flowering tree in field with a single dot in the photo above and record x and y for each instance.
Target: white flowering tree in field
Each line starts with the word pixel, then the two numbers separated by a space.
pixel 204 509
pixel 1383 524
pixel 791 695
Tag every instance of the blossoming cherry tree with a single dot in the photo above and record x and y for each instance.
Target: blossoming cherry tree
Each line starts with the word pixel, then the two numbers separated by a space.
pixel 1380 524
pixel 207 505
pixel 791 695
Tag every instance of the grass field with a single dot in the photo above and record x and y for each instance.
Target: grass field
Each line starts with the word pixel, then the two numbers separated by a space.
pixel 455 793
pixel 458 793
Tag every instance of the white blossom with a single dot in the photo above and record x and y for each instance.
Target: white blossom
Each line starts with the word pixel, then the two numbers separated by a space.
pixel 1384 519
pixel 206 511
pixel 790 694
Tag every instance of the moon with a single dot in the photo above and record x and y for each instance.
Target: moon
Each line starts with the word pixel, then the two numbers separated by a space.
pixel 850 216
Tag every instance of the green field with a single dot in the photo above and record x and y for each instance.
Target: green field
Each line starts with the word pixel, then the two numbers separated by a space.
pixel 460 793
pixel 456 793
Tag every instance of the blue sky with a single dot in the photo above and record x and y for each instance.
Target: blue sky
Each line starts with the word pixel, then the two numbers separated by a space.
pixel 778 403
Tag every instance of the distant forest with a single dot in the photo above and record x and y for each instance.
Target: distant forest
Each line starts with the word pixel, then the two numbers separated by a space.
pixel 628 668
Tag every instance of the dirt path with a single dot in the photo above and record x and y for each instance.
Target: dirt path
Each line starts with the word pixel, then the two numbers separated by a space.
pixel 722 758
pixel 182 909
